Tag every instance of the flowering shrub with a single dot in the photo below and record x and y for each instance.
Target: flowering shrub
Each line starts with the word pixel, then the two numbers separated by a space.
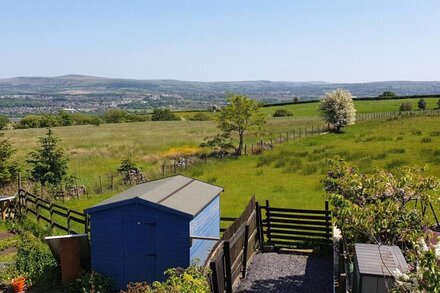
pixel 386 208
pixel 190 280
pixel 375 207
pixel 425 274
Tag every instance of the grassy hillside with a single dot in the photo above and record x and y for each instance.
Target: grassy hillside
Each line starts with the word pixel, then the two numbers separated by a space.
pixel 310 109
pixel 98 150
pixel 291 174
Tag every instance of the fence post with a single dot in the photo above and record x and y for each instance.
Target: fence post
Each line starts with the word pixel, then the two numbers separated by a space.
pixel 281 139
pixel 228 264
pixel 19 182
pixel 68 221
pixel 287 136
pixel 36 209
pixel 86 224
pixel 214 280
pixel 100 184
pixel 294 135
pixel 163 169
pixel 76 186
pixel 245 250
pixel 51 216
pixel 259 226
pixel 271 144
pixel 113 182
pixel 269 236
pixel 245 149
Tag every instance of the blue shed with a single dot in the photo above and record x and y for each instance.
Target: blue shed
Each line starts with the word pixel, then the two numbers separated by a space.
pixel 139 233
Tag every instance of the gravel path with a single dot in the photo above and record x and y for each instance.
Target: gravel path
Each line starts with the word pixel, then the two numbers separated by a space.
pixel 272 272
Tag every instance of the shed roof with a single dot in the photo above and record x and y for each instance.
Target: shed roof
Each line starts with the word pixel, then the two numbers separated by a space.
pixel 180 193
pixel 378 260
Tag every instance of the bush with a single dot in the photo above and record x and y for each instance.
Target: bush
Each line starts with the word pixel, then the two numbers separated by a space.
pixel 376 208
pixel 190 280
pixel 36 263
pixel 4 121
pixel 163 115
pixel 387 95
pixel 405 107
pixel 282 113
pixel 426 140
pixel 421 104
pixel 90 282
pixel 200 117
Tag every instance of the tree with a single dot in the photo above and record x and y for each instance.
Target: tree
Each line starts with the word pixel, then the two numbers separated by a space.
pixel 163 115
pixel 387 95
pixel 421 104
pixel 4 121
pixel 337 108
pixel 240 116
pixel 66 118
pixel 48 163
pixel 405 107
pixel 7 168
pixel 115 116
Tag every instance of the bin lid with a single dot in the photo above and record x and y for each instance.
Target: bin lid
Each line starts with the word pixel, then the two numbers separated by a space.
pixel 379 260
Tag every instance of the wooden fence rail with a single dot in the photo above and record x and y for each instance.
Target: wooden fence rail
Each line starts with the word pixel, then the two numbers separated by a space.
pixel 229 258
pixel 57 216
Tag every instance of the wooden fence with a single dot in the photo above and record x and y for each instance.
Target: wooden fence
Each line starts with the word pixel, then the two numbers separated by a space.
pixel 229 258
pixel 70 221
pixel 294 227
pixel 391 115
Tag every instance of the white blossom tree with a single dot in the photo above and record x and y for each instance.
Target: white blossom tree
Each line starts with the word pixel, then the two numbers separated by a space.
pixel 337 108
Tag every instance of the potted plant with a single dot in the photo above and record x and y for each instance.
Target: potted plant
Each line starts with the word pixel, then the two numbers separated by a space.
pixel 18 284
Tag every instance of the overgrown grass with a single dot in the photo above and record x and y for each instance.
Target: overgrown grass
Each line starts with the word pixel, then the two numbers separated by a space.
pixel 291 174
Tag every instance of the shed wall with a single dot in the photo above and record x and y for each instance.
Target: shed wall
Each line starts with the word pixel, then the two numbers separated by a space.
pixel 206 223
pixel 109 241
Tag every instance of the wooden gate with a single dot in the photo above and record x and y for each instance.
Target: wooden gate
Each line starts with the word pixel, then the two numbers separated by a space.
pixel 285 227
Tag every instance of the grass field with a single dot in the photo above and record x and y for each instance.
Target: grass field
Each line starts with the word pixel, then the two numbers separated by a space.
pixel 96 151
pixel 288 176
pixel 310 109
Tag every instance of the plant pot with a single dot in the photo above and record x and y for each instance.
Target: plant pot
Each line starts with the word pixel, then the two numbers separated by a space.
pixel 18 284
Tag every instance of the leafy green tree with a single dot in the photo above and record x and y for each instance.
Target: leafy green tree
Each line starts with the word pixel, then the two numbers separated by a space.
pixel 337 108
pixel 115 116
pixel 163 115
pixel 404 107
pixel 4 121
pixel 66 118
pixel 48 163
pixel 239 117
pixel 387 95
pixel 7 168
pixel 421 104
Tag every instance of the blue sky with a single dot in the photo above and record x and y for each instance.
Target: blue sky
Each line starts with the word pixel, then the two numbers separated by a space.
pixel 337 41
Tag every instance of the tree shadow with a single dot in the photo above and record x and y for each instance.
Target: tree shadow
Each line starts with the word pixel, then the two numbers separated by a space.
pixel 318 277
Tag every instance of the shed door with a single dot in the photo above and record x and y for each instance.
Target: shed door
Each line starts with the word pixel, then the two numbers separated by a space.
pixel 139 249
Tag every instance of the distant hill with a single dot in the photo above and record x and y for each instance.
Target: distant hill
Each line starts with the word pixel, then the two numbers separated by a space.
pixel 279 90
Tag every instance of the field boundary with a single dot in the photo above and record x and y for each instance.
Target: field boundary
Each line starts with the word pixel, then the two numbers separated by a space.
pixel 53 214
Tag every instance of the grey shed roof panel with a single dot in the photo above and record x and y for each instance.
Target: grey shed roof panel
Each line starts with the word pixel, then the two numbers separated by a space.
pixel 178 192
pixel 378 260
